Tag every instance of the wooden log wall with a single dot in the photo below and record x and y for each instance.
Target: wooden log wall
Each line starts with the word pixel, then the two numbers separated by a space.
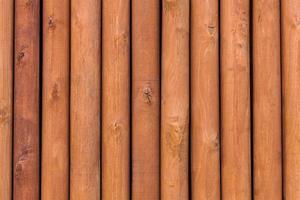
pixel 149 99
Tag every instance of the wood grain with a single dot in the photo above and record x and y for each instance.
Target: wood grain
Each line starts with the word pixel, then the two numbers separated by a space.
pixel 85 99
pixel 116 100
pixel 55 125
pixel 291 97
pixel 205 148
pixel 266 100
pixel 6 94
pixel 145 99
pixel 235 100
pixel 175 100
pixel 26 100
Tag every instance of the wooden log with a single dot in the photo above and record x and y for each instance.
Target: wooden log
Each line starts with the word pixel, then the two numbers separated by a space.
pixel 85 99
pixel 205 148
pixel 116 100
pixel 145 99
pixel 235 100
pixel 55 125
pixel 266 100
pixel 6 90
pixel 291 97
pixel 175 100
pixel 26 100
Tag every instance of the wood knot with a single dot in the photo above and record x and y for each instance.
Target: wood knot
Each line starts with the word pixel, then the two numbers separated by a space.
pixel 20 56
pixel 169 4
pixel 4 115
pixel 18 170
pixel 51 22
pixel 55 92
pixel 297 21
pixel 211 29
pixel 147 94
pixel 29 4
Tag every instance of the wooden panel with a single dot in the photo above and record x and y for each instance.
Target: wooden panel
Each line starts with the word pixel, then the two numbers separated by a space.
pixel 55 125
pixel 116 100
pixel 145 99
pixel 266 100
pixel 205 150
pixel 85 99
pixel 175 100
pixel 6 90
pixel 291 97
pixel 235 100
pixel 26 100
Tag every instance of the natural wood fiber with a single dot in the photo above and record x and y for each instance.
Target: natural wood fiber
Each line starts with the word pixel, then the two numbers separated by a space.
pixel 116 100
pixel 26 100
pixel 85 99
pixel 145 99
pixel 235 100
pixel 175 100
pixel 6 94
pixel 55 125
pixel 205 147
pixel 291 97
pixel 266 100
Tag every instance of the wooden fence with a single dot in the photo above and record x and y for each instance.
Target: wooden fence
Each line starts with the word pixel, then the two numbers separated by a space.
pixel 149 99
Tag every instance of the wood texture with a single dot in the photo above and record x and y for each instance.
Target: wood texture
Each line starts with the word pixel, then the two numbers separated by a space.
pixel 145 99
pixel 6 90
pixel 175 100
pixel 85 99
pixel 235 100
pixel 266 100
pixel 205 147
pixel 55 125
pixel 291 97
pixel 26 100
pixel 116 100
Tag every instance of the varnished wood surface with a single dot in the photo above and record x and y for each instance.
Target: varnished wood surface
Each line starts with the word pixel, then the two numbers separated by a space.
pixel 116 100
pixel 6 97
pixel 235 100
pixel 145 99
pixel 175 100
pixel 26 100
pixel 56 100
pixel 266 81
pixel 205 111
pixel 85 100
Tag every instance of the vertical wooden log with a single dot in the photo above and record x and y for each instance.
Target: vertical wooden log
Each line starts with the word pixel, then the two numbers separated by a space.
pixel 26 100
pixel 291 97
pixel 235 100
pixel 6 69
pixel 266 100
pixel 55 126
pixel 175 100
pixel 205 100
pixel 85 99
pixel 116 100
pixel 145 99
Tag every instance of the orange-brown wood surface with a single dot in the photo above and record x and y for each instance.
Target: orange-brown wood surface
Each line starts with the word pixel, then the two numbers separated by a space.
pixel 205 148
pixel 145 99
pixel 85 100
pixel 290 38
pixel 149 99
pixel 266 100
pixel 55 125
pixel 26 100
pixel 6 89
pixel 235 100
pixel 175 100
pixel 116 100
